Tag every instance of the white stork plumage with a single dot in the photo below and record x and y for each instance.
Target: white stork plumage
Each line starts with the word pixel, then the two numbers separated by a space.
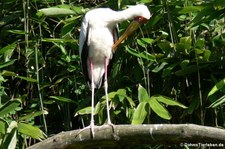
pixel 96 44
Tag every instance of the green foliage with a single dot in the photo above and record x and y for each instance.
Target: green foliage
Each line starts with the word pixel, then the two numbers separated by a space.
pixel 171 70
pixel 11 129
pixel 155 103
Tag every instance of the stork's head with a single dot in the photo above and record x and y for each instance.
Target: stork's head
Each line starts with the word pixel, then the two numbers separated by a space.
pixel 141 16
pixel 142 13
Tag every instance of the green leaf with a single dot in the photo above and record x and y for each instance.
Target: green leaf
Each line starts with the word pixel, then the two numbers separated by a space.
pixel 193 106
pixel 142 94
pixel 2 79
pixel 6 64
pixel 159 67
pixel 144 42
pixel 159 109
pixel 63 99
pixel 207 10
pixel 30 131
pixel 207 54
pixel 8 73
pixel 58 40
pixel 145 1
pixel 131 102
pixel 190 9
pixel 86 110
pixel 32 115
pixel 10 140
pixel 184 44
pixel 67 28
pixel 140 113
pixel 27 79
pixel 168 70
pixel 53 11
pixel 8 50
pixel 165 46
pixel 144 54
pixel 148 40
pixel 189 70
pixel 10 106
pixel 3 126
pixel 19 32
pixel 169 101
pixel 121 93
pixel 218 102
pixel 217 87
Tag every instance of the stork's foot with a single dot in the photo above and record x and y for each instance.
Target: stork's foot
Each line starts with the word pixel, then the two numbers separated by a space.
pixel 92 130
pixel 112 125
pixel 91 127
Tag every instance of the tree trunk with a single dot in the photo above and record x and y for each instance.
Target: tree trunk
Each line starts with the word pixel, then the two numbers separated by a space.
pixel 128 135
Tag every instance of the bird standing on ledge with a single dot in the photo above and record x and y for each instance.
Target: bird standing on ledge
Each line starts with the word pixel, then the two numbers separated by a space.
pixel 98 41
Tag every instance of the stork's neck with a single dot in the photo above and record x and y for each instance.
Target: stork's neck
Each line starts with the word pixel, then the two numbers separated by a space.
pixel 121 16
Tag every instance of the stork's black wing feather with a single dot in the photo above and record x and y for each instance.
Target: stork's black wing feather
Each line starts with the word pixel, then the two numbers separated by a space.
pixel 84 58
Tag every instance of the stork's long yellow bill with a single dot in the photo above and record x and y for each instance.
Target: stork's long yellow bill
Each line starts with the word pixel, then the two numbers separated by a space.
pixel 131 28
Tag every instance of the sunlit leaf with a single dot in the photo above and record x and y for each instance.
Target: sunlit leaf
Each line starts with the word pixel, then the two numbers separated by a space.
pixel 217 87
pixel 19 32
pixel 207 54
pixel 145 1
pixel 190 9
pixel 3 126
pixel 130 100
pixel 140 113
pixel 142 94
pixel 8 50
pixel 159 109
pixel 31 131
pixel 63 99
pixel 8 73
pixel 86 110
pixel 218 102
pixel 53 11
pixel 32 115
pixel 184 44
pixel 144 41
pixel 10 106
pixel 169 101
pixel 147 40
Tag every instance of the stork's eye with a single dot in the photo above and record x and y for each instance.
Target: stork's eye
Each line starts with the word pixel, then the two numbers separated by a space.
pixel 141 19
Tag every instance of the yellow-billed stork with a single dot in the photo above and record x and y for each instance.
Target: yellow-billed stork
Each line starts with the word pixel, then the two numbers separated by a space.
pixel 98 41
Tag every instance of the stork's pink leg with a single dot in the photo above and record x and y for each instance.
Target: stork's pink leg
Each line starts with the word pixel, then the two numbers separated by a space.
pixel 92 99
pixel 106 90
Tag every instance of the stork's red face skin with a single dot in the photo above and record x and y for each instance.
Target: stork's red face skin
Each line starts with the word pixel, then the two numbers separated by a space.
pixel 141 19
